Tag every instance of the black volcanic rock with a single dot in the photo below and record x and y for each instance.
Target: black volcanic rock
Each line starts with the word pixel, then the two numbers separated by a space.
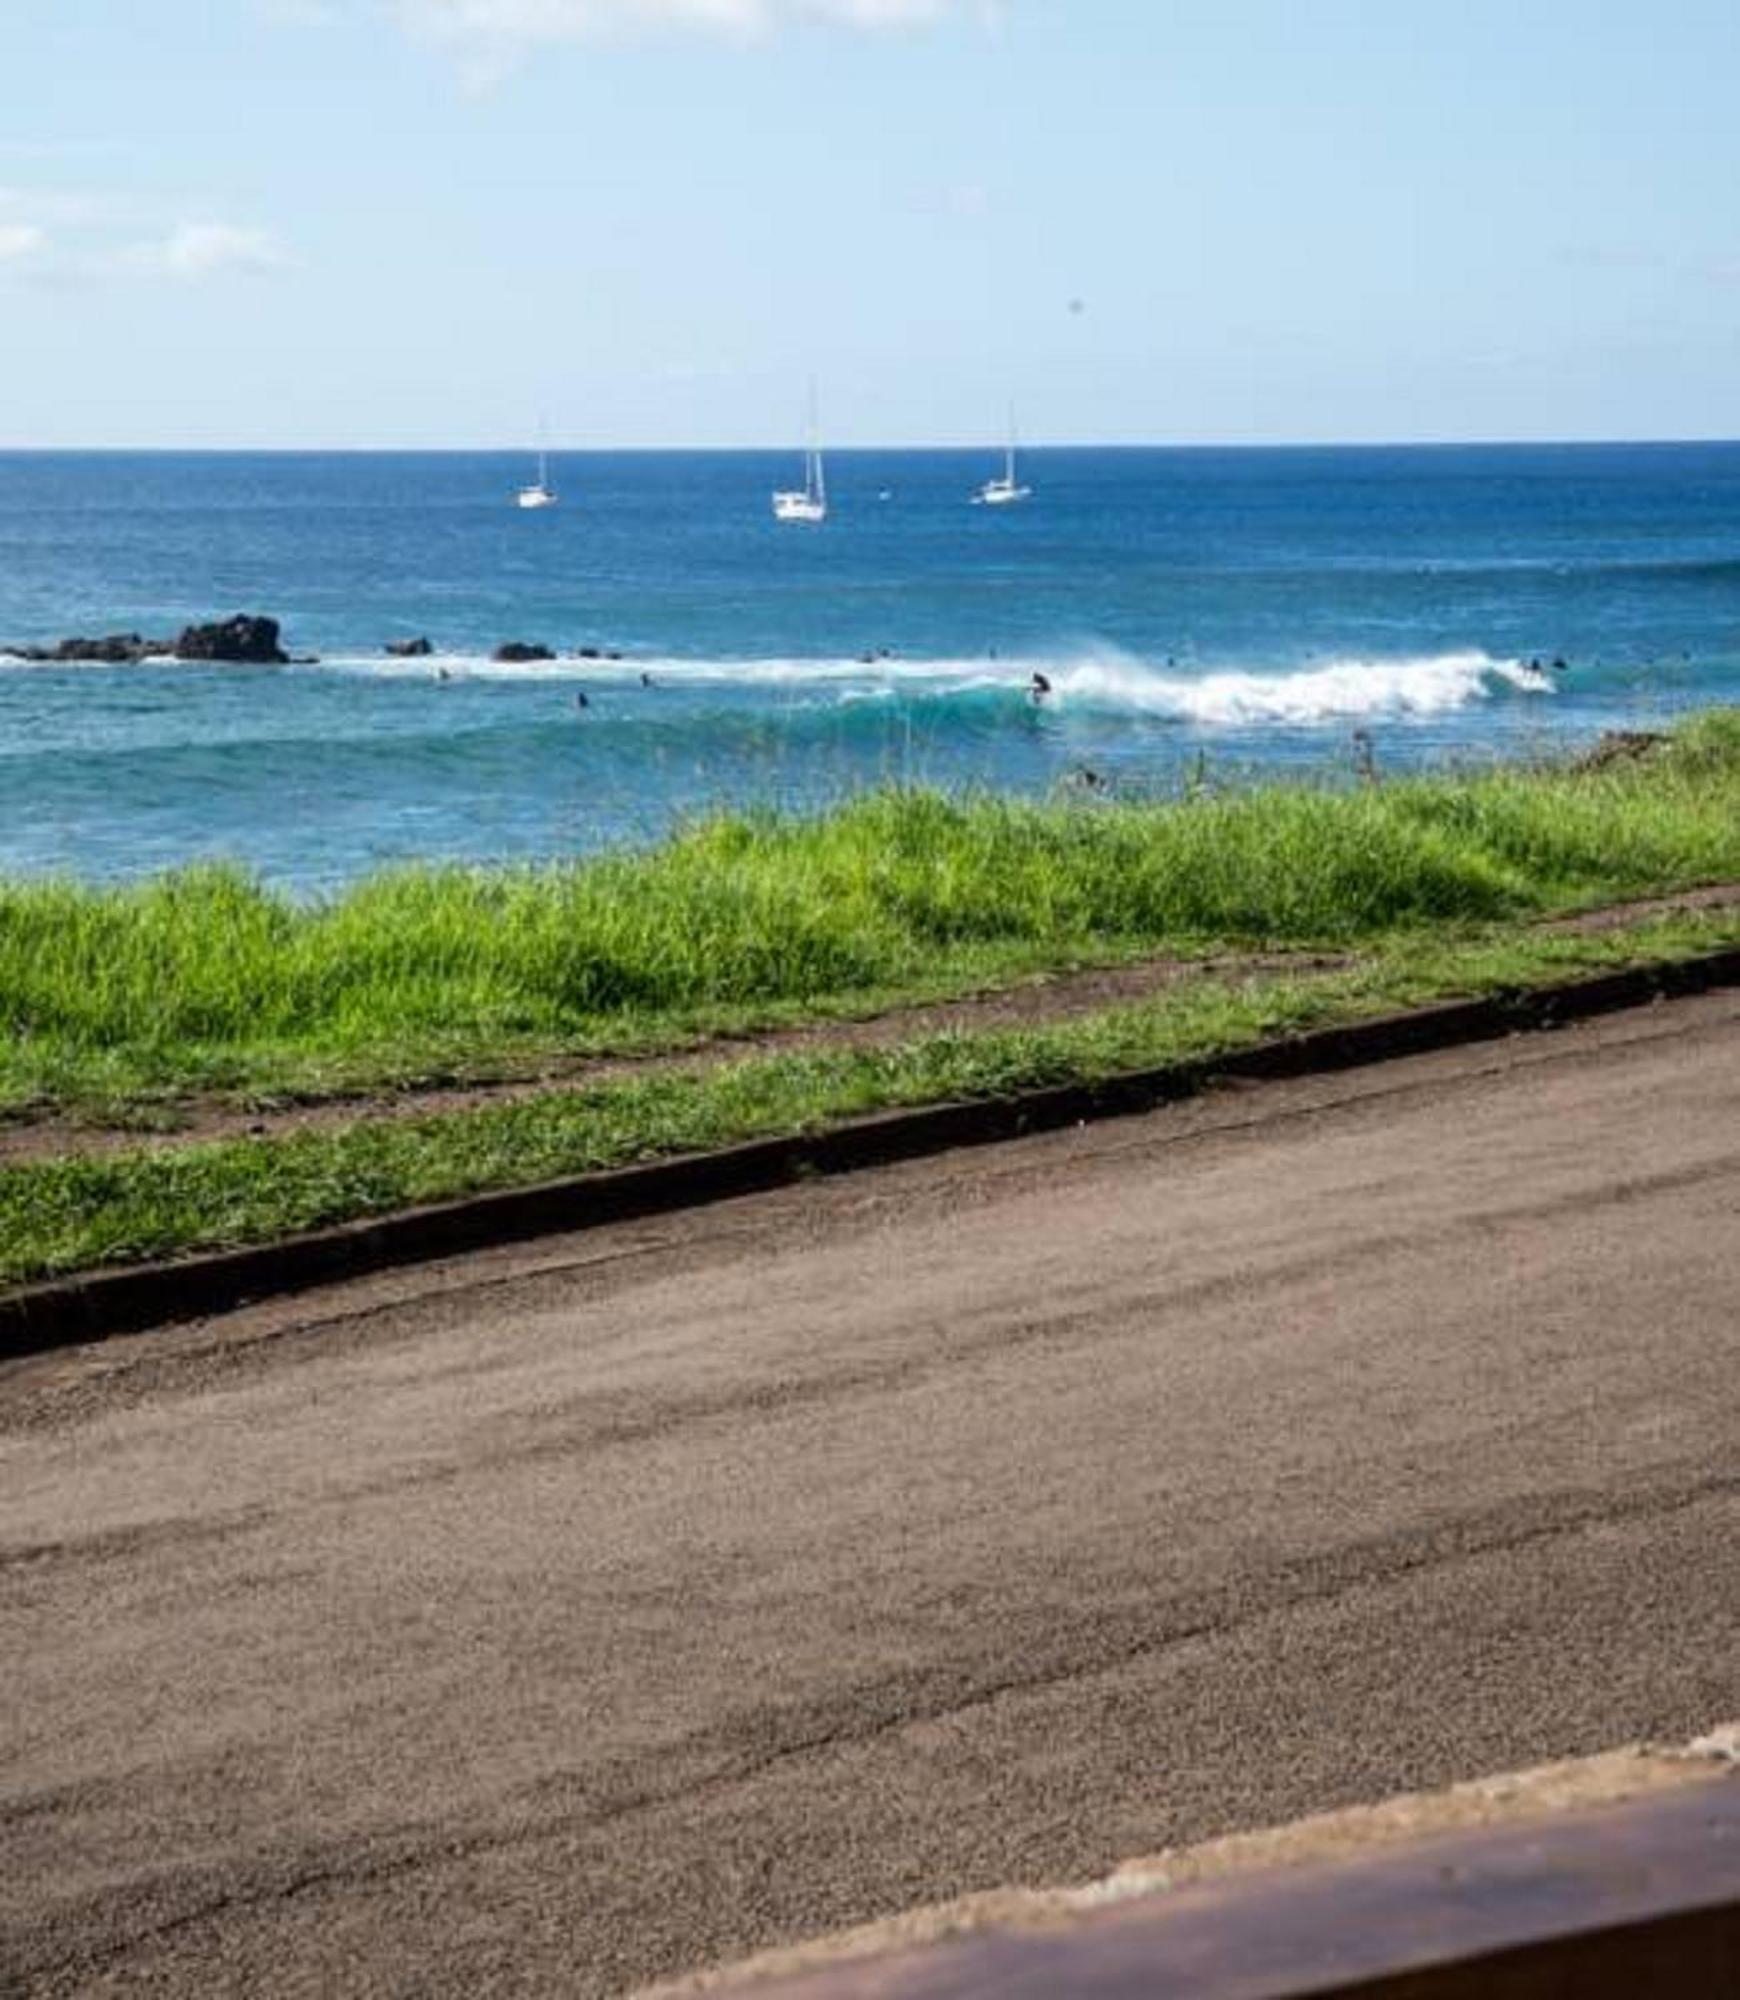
pixel 119 649
pixel 409 649
pixel 516 652
pixel 242 641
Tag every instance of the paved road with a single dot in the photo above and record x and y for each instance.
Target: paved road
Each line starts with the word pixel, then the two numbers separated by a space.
pixel 561 1618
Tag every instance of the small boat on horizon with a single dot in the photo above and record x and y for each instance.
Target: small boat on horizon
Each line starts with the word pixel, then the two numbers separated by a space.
pixel 1005 491
pixel 540 493
pixel 811 504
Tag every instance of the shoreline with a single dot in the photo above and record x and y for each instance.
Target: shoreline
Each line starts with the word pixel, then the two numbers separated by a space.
pixel 124 772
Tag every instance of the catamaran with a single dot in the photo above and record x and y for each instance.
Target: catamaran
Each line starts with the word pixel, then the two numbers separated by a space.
pixel 1005 491
pixel 540 493
pixel 812 503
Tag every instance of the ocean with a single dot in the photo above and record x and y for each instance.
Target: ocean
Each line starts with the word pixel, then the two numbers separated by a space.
pixel 1235 613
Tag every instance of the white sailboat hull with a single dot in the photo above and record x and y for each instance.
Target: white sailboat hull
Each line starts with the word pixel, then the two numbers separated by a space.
pixel 1004 492
pixel 538 492
pixel 799 507
pixel 811 503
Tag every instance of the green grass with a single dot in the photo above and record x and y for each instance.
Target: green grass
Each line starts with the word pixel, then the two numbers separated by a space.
pixel 203 981
pixel 70 1214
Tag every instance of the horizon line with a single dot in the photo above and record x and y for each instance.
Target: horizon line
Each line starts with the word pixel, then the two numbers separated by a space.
pixel 518 448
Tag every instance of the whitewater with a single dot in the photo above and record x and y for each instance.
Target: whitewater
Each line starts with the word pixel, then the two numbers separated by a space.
pixel 1100 679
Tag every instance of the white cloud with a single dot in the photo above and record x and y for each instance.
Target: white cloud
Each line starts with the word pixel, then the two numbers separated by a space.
pixel 509 23
pixel 71 237
pixel 197 249
pixel 20 239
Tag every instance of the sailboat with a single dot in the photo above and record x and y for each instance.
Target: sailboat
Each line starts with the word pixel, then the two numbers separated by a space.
pixel 811 504
pixel 1005 491
pixel 540 493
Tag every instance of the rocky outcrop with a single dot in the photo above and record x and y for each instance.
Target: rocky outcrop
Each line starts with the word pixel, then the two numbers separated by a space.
pixel 517 652
pixel 409 649
pixel 242 641
pixel 119 649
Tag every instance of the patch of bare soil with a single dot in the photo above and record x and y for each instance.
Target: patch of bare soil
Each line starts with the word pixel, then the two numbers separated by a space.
pixel 1620 746
pixel 1619 916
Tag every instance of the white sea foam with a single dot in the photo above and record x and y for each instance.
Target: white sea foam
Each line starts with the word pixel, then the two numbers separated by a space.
pixel 1099 679
pixel 1341 689
pixel 852 672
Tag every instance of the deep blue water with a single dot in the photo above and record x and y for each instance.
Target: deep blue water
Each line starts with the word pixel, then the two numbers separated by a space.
pixel 1255 606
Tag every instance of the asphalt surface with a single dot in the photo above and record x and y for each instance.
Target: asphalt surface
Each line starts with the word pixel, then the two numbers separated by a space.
pixel 564 1617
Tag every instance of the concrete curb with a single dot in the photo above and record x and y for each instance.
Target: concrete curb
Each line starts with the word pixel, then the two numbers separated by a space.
pixel 1600 1902
pixel 93 1306
pixel 879 1957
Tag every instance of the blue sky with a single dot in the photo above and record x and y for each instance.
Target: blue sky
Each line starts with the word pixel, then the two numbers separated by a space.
pixel 424 222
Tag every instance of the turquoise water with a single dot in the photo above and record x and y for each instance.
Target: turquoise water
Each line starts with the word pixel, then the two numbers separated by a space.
pixel 1251 607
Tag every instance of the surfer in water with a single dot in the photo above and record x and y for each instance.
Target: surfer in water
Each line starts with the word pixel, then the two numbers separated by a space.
pixel 580 700
pixel 1037 689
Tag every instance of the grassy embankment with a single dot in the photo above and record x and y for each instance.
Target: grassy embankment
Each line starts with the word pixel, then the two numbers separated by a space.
pixel 201 982
pixel 201 979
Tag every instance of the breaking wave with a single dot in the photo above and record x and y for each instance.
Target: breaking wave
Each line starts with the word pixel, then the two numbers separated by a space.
pixel 1101 680
pixel 1340 690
